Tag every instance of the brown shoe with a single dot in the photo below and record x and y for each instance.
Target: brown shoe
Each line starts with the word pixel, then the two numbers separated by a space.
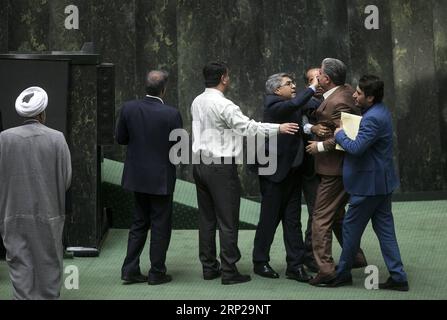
pixel 322 280
pixel 360 261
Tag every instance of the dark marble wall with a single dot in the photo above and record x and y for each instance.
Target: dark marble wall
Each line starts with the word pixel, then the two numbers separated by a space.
pixel 372 50
pixel 82 127
pixel 28 25
pixel 258 38
pixel 4 4
pixel 422 165
pixel 440 45
pixel 114 35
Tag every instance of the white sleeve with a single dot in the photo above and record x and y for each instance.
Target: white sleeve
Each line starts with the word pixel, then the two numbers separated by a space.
pixel 242 125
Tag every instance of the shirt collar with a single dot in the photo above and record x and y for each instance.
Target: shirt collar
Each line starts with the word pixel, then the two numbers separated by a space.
pixel 214 91
pixel 154 97
pixel 31 121
pixel 330 92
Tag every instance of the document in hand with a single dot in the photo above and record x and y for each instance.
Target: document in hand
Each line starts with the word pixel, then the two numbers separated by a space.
pixel 351 125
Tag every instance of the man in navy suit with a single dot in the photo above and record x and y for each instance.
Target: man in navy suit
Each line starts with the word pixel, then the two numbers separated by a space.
pixel 370 179
pixel 281 191
pixel 144 126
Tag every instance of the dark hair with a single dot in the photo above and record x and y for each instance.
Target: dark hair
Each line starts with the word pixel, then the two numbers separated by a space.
pixel 335 70
pixel 213 73
pixel 372 86
pixel 156 81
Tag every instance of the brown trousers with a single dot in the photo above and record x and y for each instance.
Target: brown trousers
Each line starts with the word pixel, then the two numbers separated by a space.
pixel 329 212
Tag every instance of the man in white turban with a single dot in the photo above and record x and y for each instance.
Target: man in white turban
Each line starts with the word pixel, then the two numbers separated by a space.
pixel 35 171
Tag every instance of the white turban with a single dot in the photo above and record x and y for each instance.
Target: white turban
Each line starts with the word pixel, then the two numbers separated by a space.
pixel 31 102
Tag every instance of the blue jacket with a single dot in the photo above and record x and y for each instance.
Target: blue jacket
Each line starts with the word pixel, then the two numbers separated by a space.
pixel 368 168
pixel 144 126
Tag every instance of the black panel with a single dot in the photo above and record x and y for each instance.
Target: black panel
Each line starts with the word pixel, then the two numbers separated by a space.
pixel 106 104
pixel 52 76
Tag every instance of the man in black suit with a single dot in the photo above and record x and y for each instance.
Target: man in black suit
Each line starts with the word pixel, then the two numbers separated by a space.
pixel 144 126
pixel 281 191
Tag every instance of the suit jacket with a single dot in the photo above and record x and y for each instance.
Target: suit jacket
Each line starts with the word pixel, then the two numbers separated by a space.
pixel 368 167
pixel 290 148
pixel 144 126
pixel 330 163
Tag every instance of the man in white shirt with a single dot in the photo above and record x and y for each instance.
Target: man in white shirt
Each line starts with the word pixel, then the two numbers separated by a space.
pixel 217 181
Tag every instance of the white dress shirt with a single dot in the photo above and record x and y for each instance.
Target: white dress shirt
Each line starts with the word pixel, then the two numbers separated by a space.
pixel 217 124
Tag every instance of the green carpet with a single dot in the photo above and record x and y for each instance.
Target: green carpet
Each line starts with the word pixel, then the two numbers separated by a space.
pixel 421 233
pixel 185 209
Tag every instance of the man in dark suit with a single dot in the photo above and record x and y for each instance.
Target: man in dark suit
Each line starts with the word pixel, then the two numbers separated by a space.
pixel 281 191
pixel 370 179
pixel 144 126
pixel 331 195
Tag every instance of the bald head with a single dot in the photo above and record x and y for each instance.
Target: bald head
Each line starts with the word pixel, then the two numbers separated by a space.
pixel 156 81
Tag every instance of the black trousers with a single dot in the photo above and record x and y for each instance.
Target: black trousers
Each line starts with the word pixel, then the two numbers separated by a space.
pixel 218 196
pixel 281 202
pixel 310 185
pixel 155 212
pixel 2 249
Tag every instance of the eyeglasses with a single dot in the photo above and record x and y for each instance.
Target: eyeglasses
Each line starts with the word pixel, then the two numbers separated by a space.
pixel 288 84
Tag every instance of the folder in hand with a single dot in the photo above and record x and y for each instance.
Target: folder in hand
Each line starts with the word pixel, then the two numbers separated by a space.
pixel 351 126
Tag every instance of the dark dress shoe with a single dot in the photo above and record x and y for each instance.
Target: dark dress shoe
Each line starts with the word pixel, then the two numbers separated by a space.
pixel 390 284
pixel 299 275
pixel 139 278
pixel 312 266
pixel 341 282
pixel 264 270
pixel 235 279
pixel 211 275
pixel 359 262
pixel 322 280
pixel 156 279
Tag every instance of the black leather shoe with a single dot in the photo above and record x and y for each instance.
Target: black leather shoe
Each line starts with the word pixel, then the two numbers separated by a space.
pixel 299 275
pixel 390 284
pixel 311 265
pixel 341 282
pixel 323 280
pixel 211 275
pixel 264 270
pixel 235 279
pixel 156 279
pixel 139 278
